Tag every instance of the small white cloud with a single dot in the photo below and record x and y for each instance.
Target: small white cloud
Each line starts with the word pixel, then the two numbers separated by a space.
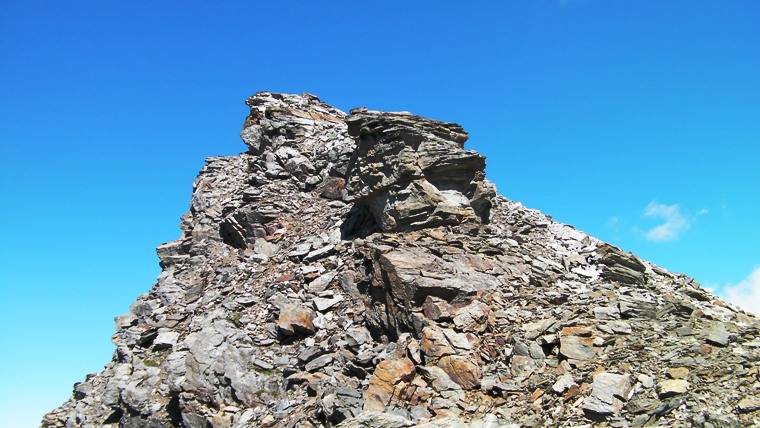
pixel 613 221
pixel 745 294
pixel 703 211
pixel 675 225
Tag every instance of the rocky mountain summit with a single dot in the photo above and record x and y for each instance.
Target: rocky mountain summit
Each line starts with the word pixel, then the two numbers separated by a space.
pixel 360 271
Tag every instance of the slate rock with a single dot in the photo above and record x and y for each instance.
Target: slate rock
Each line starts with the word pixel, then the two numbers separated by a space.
pixel 577 348
pixel 671 387
pixel 462 371
pixel 608 394
pixel 717 335
pixel 296 319
pixel 749 404
pixel 383 383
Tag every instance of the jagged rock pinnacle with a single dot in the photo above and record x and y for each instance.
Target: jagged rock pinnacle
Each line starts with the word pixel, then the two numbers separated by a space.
pixel 413 172
pixel 360 271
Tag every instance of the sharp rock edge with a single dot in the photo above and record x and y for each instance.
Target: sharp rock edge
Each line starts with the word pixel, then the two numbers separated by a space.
pixel 360 271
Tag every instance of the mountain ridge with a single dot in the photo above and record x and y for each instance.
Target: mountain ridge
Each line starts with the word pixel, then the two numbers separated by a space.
pixel 360 270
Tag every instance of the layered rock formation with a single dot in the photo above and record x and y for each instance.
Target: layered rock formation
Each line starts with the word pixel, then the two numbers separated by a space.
pixel 360 271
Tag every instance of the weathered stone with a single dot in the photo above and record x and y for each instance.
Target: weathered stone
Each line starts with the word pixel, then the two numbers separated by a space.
pixel 358 336
pixel 462 371
pixel 608 394
pixel 320 253
pixel 620 327
pixel 475 317
pixel 439 379
pixel 296 319
pixel 671 387
pixel 522 366
pixel 322 304
pixel 749 404
pixel 376 419
pixel 717 335
pixel 621 266
pixel 165 339
pixel 437 309
pixel 382 384
pixel 318 362
pixel 300 250
pixel 563 383
pixel 606 312
pixel 577 348
pixel 412 172
pixel 332 188
pixel 678 373
pixel 241 228
pixel 460 341
pixel 345 403
pixel 434 343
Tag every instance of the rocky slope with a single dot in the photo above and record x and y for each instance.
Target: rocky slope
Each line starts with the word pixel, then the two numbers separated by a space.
pixel 360 271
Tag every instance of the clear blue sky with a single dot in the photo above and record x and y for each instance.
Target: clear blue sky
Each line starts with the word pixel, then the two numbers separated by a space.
pixel 637 121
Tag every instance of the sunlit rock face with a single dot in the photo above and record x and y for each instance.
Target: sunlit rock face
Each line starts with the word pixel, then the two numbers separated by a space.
pixel 414 173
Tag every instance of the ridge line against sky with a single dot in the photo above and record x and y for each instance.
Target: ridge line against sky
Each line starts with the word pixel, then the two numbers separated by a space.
pixel 635 122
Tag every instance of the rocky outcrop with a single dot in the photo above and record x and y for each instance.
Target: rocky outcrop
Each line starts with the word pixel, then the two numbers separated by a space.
pixel 359 271
pixel 412 173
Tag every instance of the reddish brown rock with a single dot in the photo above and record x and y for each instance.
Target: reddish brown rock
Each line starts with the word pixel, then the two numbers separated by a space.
pixel 462 371
pixel 434 343
pixel 296 319
pixel 383 383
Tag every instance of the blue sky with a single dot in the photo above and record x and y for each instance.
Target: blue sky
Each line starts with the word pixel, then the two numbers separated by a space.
pixel 636 122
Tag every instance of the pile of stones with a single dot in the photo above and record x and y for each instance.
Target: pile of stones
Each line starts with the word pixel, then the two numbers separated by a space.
pixel 360 271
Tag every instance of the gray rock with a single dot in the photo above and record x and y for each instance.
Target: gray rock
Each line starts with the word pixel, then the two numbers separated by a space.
pixel 319 362
pixel 577 348
pixel 320 253
pixel 621 266
pixel 300 250
pixel 608 394
pixel 322 304
pixel 165 339
pixel 413 172
pixel 563 383
pixel 717 335
pixel 606 312
pixel 368 419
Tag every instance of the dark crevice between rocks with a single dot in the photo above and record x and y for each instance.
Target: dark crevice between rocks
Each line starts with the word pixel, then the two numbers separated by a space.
pixel 449 295
pixel 359 223
pixel 173 409
pixel 114 417
pixel 388 317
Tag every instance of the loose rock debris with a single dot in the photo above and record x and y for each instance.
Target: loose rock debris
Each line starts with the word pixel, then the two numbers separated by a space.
pixel 360 271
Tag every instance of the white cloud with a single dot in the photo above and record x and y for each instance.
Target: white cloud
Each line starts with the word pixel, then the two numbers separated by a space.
pixel 745 294
pixel 675 225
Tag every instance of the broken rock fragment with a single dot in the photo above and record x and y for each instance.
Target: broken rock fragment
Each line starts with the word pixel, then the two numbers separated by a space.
pixel 383 384
pixel 608 394
pixel 296 319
